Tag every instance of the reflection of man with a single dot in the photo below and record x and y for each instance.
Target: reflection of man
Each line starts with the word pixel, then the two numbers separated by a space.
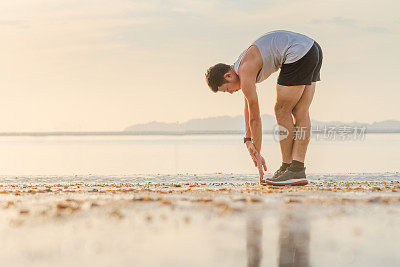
pixel 294 239
pixel 254 241
pixel 300 59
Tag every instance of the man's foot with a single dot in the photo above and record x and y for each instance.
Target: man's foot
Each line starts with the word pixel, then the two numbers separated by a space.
pixel 278 172
pixel 287 178
pixel 281 170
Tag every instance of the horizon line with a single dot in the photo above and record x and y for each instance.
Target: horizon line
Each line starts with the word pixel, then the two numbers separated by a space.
pixel 136 133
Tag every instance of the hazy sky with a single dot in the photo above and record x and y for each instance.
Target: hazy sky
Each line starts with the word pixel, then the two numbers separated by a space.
pixel 104 65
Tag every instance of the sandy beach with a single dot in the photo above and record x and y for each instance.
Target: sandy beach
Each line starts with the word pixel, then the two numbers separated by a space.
pixel 326 223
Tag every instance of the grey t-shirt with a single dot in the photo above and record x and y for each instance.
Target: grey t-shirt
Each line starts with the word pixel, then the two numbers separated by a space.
pixel 277 48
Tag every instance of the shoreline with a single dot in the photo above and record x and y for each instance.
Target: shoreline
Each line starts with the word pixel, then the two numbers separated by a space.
pixel 153 133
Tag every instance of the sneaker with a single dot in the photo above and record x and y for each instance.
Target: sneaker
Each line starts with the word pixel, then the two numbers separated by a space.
pixel 288 178
pixel 278 173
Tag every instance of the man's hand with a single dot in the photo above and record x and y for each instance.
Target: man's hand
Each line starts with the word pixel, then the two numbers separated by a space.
pixel 258 160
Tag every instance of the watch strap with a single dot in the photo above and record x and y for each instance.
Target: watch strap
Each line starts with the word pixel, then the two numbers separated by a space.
pixel 247 139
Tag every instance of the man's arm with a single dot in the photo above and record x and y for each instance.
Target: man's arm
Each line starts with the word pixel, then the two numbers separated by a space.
pixel 247 132
pixel 249 90
pixel 254 120
pixel 248 70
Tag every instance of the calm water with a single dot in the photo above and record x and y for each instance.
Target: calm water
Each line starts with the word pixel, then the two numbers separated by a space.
pixel 110 156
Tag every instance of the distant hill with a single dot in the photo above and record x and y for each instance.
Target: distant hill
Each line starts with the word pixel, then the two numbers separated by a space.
pixel 215 125
pixel 236 124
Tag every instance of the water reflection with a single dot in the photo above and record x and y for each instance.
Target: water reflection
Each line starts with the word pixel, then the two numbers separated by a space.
pixel 254 243
pixel 294 239
pixel 293 242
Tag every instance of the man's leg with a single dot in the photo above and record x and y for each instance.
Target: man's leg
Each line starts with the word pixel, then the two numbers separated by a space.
pixel 293 101
pixel 286 99
pixel 303 122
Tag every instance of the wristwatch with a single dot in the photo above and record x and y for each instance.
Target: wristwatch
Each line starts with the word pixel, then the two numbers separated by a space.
pixel 247 139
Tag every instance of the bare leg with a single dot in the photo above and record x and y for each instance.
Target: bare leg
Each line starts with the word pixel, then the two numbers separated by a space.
pixel 287 98
pixel 303 122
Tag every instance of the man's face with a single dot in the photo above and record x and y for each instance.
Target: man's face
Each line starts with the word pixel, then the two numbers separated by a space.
pixel 233 84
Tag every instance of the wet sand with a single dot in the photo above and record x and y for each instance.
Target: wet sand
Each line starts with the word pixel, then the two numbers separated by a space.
pixel 325 223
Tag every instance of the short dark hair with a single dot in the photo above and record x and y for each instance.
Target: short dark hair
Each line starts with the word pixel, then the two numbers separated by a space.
pixel 215 76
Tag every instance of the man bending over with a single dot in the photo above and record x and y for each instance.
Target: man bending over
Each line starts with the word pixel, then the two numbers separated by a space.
pixel 299 58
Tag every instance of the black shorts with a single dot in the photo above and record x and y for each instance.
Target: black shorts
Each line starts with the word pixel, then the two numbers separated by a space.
pixel 303 71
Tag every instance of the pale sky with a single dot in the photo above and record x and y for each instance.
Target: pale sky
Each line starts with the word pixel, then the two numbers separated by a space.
pixel 93 65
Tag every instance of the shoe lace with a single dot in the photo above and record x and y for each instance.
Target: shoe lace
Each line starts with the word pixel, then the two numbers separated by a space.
pixel 279 171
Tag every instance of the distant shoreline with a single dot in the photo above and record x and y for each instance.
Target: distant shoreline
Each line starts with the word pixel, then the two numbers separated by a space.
pixel 172 133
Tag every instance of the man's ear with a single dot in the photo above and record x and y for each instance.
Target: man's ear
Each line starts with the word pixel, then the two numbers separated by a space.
pixel 227 75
